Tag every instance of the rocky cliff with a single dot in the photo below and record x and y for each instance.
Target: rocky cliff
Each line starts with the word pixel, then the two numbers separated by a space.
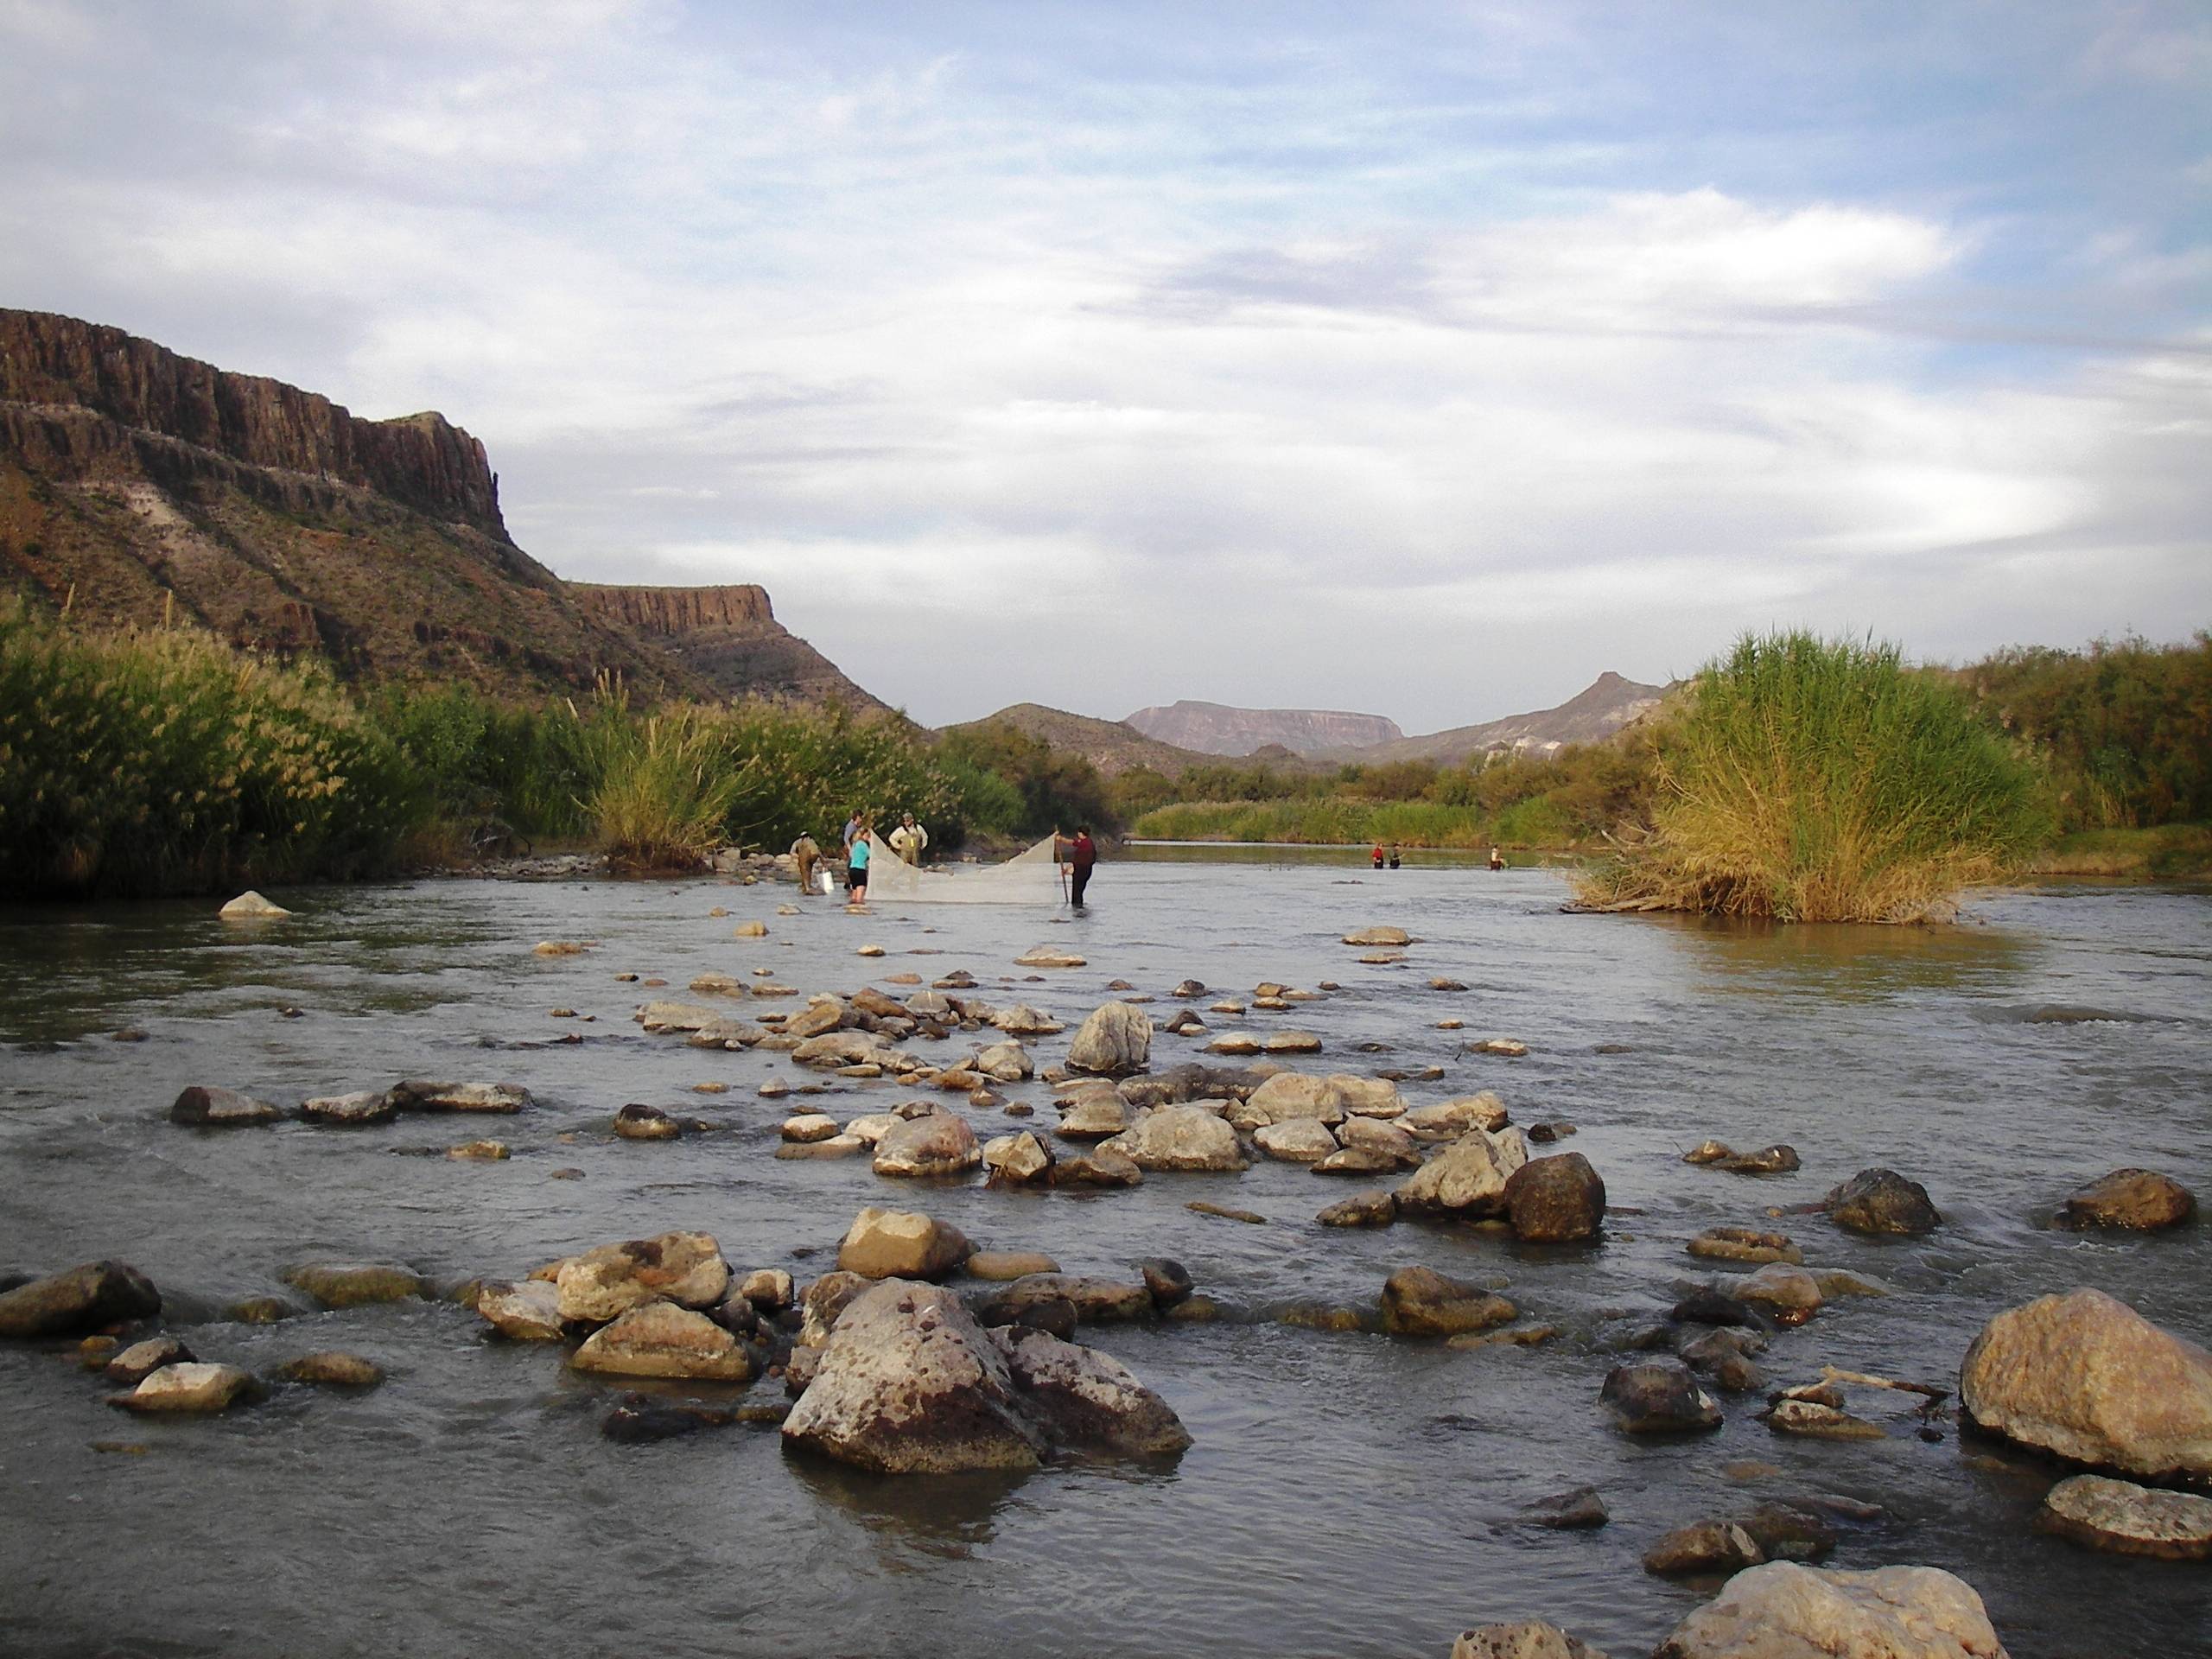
pixel 1217 728
pixel 136 483
pixel 1113 746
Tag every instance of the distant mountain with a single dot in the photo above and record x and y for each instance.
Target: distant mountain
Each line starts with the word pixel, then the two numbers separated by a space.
pixel 1112 745
pixel 1217 728
pixel 138 484
pixel 1608 703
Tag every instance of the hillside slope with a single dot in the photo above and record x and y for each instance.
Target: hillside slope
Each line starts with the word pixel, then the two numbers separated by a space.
pixel 1597 711
pixel 136 484
pixel 1218 728
pixel 1109 744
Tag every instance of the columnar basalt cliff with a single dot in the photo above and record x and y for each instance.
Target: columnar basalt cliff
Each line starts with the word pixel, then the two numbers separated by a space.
pixel 137 484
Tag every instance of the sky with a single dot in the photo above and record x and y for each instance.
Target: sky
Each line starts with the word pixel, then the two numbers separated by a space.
pixel 1418 359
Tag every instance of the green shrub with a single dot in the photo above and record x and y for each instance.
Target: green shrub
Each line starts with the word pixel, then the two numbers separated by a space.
pixel 1816 781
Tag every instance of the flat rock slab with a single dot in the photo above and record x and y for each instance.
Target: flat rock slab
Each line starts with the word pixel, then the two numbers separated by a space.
pixel 188 1388
pixel 356 1284
pixel 2129 1520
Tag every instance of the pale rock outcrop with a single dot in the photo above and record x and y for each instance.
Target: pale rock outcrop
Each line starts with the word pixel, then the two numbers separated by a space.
pixel 188 1386
pixel 1007 1062
pixel 2085 1376
pixel 528 1311
pixel 1466 1177
pixel 1290 1095
pixel 1116 1040
pixel 1449 1119
pixel 1784 1611
pixel 1369 1096
pixel 1295 1139
pixel 1378 936
pixel 686 1268
pixel 1093 1114
pixel 901 1244
pixel 1017 1160
pixel 661 1340
pixel 1179 1137
pixel 250 906
pixel 938 1144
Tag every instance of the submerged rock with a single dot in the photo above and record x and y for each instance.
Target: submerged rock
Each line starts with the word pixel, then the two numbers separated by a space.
pixel 1576 1510
pixel 1703 1547
pixel 901 1244
pixel 79 1300
pixel 1422 1302
pixel 1881 1201
pixel 1375 1208
pixel 362 1106
pixel 2086 1377
pixel 638 1121
pixel 1816 1420
pixel 1745 1244
pixel 1658 1396
pixel 661 1340
pixel 355 1283
pixel 1100 1169
pixel 2129 1520
pixel 2137 1198
pixel 1096 1301
pixel 1781 1610
pixel 1116 1040
pixel 332 1370
pixel 427 1095
pixel 188 1386
pixel 202 1108
pixel 1555 1200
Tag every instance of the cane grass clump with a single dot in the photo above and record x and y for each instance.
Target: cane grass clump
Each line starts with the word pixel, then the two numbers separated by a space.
pixel 1820 780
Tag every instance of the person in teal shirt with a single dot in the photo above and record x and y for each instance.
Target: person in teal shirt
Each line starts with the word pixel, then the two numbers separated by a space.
pixel 856 868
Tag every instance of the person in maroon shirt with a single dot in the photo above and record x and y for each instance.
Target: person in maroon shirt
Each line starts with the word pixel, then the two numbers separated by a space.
pixel 1079 856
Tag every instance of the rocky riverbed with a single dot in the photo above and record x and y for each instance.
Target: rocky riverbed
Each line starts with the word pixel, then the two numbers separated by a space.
pixel 1318 1262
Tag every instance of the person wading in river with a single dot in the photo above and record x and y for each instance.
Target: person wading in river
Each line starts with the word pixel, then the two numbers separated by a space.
pixel 808 852
pixel 856 858
pixel 908 840
pixel 1076 858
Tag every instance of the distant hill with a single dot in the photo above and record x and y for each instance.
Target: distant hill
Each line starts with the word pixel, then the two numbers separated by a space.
pixel 1608 703
pixel 1112 745
pixel 1218 728
pixel 136 485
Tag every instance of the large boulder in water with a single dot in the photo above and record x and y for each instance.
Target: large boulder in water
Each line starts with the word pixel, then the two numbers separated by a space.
pixel 1116 1040
pixel 910 1384
pixel 188 1386
pixel 1658 1396
pixel 661 1340
pixel 1879 1201
pixel 940 1143
pixel 83 1299
pixel 202 1107
pixel 1783 1610
pixel 2089 1378
pixel 1555 1200
pixel 901 1244
pixel 1179 1137
pixel 1466 1179
pixel 686 1268
pixel 2126 1519
pixel 2139 1199
pixel 1422 1302
pixel 1289 1096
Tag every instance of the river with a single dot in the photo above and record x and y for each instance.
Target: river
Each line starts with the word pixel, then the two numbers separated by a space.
pixel 1347 1494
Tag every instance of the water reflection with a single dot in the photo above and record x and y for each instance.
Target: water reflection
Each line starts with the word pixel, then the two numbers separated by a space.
pixel 1844 963
pixel 945 1516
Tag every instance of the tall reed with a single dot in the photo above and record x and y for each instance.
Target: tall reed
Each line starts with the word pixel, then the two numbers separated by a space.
pixel 1819 780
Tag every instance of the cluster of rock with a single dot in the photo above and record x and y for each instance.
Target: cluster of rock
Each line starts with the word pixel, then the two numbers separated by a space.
pixel 207 1107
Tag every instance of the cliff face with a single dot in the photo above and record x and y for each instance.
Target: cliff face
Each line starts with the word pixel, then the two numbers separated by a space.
pixel 1217 728
pixel 1595 712
pixel 133 481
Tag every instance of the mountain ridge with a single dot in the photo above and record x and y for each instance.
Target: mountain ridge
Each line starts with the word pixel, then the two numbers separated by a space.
pixel 1227 730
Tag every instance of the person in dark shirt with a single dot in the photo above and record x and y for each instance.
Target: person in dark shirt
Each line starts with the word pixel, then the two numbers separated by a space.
pixel 1079 855
pixel 1394 860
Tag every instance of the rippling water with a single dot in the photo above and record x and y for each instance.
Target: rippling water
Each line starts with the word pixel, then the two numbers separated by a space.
pixel 1347 1494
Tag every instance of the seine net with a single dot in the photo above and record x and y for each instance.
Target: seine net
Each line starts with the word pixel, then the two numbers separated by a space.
pixel 1031 877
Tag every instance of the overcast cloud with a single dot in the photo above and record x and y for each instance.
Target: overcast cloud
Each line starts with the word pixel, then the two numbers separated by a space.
pixel 1422 359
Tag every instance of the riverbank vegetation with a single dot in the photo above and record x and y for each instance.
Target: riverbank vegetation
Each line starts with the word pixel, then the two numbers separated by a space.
pixel 1823 780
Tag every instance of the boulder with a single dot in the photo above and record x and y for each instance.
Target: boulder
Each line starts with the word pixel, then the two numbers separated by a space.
pixel 817 1019
pixel 1291 1042
pixel 1466 1179
pixel 1287 1095
pixel 1377 936
pixel 824 1302
pixel 1101 1167
pixel 332 1370
pixel 1533 1639
pixel 1179 1137
pixel 1555 1200
pixel 1044 956
pixel 1004 1266
pixel 834 1049
pixel 1295 1139
pixel 1790 1293
pixel 677 1016
pixel 806 1127
pixel 528 1311
pixel 638 1121
pixel 1096 1301
pixel 1702 1547
pixel 1376 1134
pixel 1084 1400
pixel 1093 1114
pixel 1578 1510
pixel 1007 1062
pixel 661 1340
pixel 1168 1280
pixel 901 1244
pixel 1022 1020
pixel 221 1108
pixel 1448 1120
pixel 142 1359
pixel 1657 1397
pixel 686 1268
pixel 1116 1040
pixel 1017 1160
pixel 939 1144
pixel 357 1284
pixel 1375 1208
pixel 2088 1378
pixel 1744 1244
pixel 1422 1302
pixel 250 906
pixel 2129 1520
pixel 351 1110
pixel 1785 1533
pixel 82 1299
pixel 2140 1198
pixel 1781 1610
pixel 767 1288
pixel 1376 1097
pixel 428 1094
pixel 188 1386
pixel 1881 1201
pixel 1816 1420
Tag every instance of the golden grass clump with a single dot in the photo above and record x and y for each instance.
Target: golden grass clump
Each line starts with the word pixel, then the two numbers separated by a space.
pixel 1815 780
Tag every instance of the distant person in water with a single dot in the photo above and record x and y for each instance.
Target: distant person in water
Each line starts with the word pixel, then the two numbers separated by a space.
pixel 1393 855
pixel 807 852
pixel 908 840
pixel 1496 859
pixel 856 868
pixel 1078 857
pixel 1378 855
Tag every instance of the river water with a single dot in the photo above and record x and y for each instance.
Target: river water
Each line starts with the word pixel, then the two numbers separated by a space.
pixel 1346 1495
